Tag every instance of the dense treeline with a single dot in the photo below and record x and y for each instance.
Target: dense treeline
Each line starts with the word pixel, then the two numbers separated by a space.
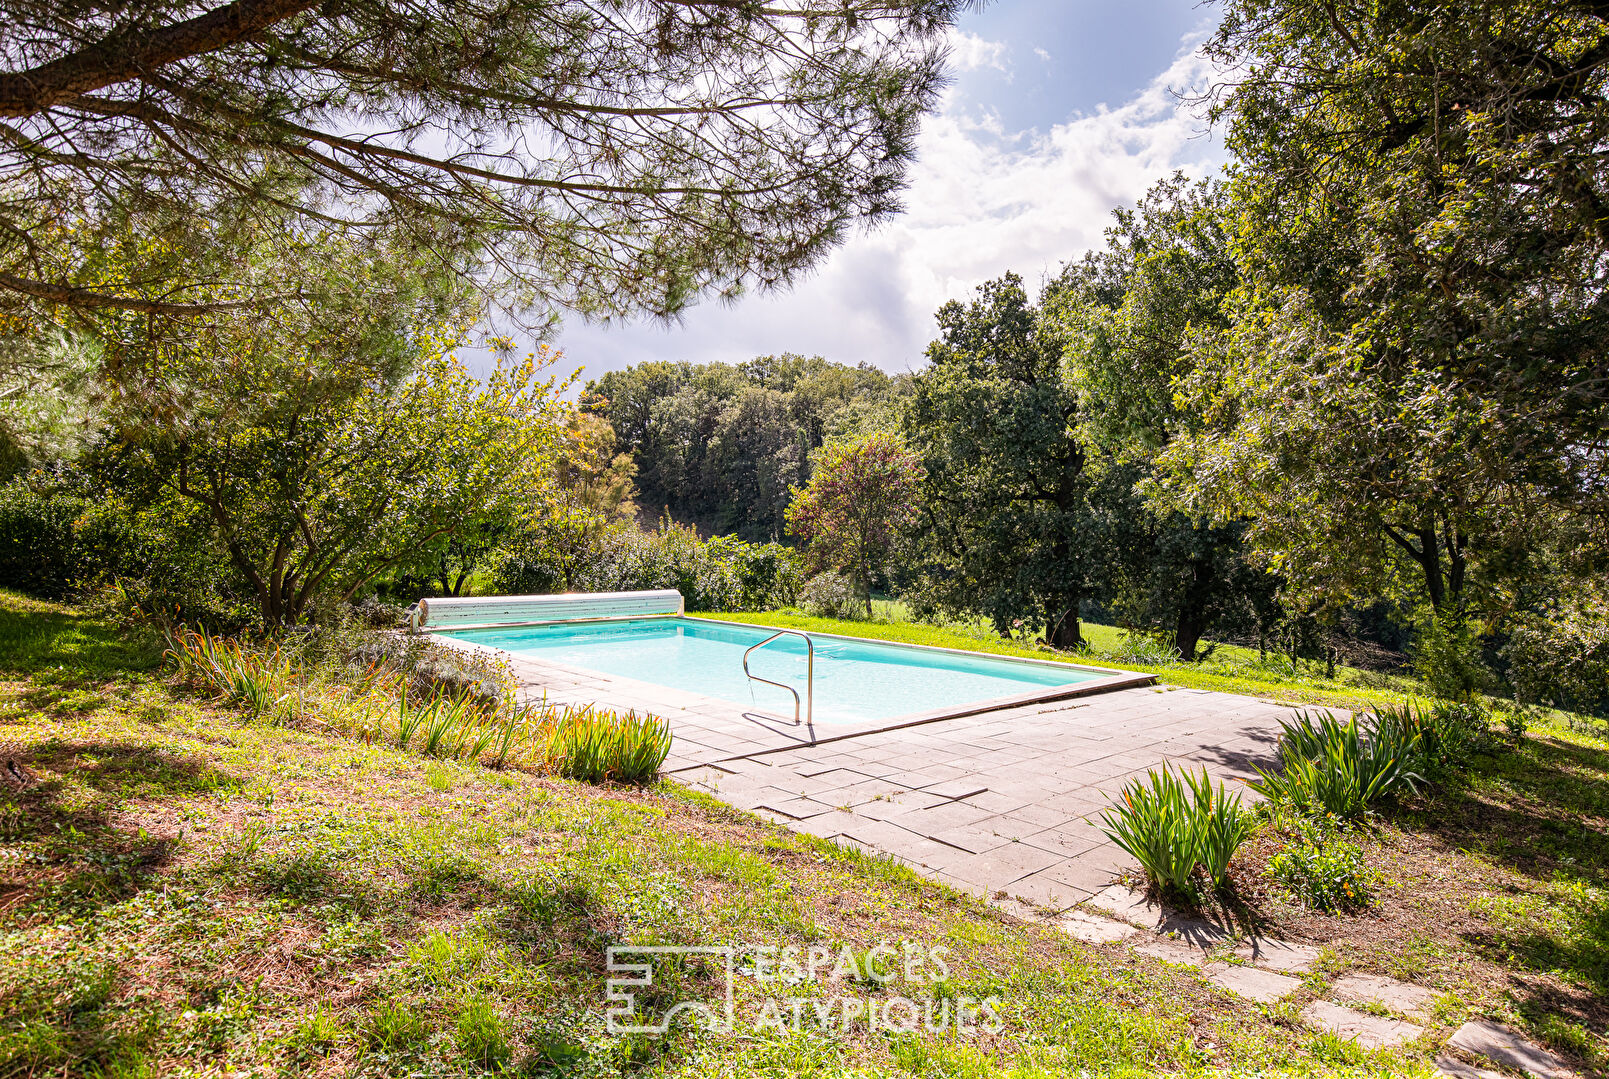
pixel 722 445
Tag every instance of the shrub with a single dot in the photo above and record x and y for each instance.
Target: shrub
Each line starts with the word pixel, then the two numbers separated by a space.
pixel 1175 824
pixel 1145 649
pixel 39 549
pixel 1560 658
pixel 832 595
pixel 720 574
pixel 1448 732
pixel 1327 766
pixel 592 745
pixel 1446 657
pixel 1321 868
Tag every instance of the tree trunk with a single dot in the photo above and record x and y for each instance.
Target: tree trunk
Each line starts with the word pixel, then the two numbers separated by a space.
pixel 1192 621
pixel 1064 629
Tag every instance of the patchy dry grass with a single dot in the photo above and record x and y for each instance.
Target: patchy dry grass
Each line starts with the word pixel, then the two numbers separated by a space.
pixel 185 892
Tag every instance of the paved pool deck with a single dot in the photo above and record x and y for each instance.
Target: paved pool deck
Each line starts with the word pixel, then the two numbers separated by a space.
pixel 1002 804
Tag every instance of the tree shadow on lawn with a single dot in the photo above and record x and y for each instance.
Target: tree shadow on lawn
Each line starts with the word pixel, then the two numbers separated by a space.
pixel 1542 812
pixel 59 799
pixel 38 638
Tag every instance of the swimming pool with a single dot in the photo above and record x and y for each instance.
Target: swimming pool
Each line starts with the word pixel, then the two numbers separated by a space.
pixel 856 681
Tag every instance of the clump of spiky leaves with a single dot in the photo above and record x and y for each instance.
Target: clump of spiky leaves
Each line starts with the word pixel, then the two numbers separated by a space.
pixel 1330 767
pixel 449 721
pixel 593 745
pixel 1175 825
pixel 256 678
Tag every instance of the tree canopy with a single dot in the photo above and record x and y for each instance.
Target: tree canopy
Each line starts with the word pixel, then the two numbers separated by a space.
pixel 609 158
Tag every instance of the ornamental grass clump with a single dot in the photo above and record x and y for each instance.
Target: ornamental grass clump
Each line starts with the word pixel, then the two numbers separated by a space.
pixel 1330 767
pixel 596 746
pixel 1175 825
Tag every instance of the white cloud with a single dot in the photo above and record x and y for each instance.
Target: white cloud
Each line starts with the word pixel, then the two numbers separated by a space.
pixel 1042 54
pixel 969 52
pixel 981 201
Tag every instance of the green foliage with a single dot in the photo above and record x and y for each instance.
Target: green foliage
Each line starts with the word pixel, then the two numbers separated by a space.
pixel 39 548
pixel 1559 656
pixel 723 445
pixel 598 746
pixel 1320 866
pixel 1340 769
pixel 720 574
pixel 315 487
pixel 1005 527
pixel 832 595
pixel 1447 658
pixel 1176 824
pixel 1448 733
pixel 861 496
pixel 669 212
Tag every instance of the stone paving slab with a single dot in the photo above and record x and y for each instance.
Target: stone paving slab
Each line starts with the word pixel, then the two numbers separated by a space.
pixel 1509 1048
pixel 1283 956
pixel 1369 1031
pixel 1403 998
pixel 1446 1064
pixel 1263 986
pixel 1003 801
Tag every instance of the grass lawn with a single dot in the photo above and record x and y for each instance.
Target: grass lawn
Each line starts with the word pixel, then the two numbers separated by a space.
pixel 186 892
pixel 1229 668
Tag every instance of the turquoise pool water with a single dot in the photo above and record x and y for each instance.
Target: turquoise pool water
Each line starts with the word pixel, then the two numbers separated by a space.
pixel 855 681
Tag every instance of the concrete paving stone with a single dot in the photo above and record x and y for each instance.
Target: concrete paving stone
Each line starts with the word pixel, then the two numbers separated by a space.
pixel 1062 843
pixel 976 838
pixel 996 801
pixel 1093 929
pixel 930 820
pixel 1041 890
pixel 1280 955
pixel 796 808
pixel 1003 865
pixel 898 805
pixel 1263 986
pixel 826 826
pixel 1171 951
pixel 1123 902
pixel 1195 932
pixel 1086 875
pixel 876 833
pixel 1509 1048
pixel 1447 1064
pixel 1037 818
pixel 1405 998
pixel 1369 1031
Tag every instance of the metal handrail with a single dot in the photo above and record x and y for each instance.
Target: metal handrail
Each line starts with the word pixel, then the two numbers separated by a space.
pixel 810 673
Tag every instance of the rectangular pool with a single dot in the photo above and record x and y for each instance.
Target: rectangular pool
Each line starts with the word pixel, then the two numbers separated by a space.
pixel 856 681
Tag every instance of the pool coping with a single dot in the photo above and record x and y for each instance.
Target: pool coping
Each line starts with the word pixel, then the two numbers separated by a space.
pixel 1116 680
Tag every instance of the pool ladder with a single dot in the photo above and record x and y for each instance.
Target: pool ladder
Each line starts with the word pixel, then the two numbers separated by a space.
pixel 810 674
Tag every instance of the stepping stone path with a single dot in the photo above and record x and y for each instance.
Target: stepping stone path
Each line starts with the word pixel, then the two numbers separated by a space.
pixel 1265 972
pixel 1369 1031
pixel 1388 993
pixel 1508 1048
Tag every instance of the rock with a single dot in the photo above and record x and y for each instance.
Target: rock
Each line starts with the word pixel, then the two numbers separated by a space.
pixel 1369 1031
pixel 1401 997
pixel 1508 1048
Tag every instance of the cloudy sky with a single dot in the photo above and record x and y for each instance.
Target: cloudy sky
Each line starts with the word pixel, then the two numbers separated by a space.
pixel 1058 113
